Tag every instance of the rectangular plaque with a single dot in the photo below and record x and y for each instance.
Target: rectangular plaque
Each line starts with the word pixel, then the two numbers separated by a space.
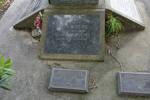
pixel 74 1
pixel 73 35
pixel 134 83
pixel 68 80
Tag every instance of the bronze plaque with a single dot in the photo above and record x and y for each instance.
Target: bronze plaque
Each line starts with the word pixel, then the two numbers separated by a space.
pixel 68 80
pixel 134 83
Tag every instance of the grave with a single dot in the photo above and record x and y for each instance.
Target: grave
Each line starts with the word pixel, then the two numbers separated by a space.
pixel 68 80
pixel 73 34
pixel 134 83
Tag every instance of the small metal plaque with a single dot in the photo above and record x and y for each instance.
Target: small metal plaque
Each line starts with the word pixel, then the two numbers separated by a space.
pixel 68 80
pixel 134 83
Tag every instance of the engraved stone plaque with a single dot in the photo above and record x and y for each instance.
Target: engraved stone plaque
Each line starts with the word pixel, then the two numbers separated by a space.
pixel 73 35
pixel 74 1
pixel 134 83
pixel 68 80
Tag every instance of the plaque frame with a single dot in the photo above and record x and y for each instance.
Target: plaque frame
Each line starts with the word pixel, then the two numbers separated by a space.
pixel 78 57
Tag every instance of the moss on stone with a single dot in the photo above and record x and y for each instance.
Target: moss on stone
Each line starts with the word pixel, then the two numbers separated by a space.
pixel 1 3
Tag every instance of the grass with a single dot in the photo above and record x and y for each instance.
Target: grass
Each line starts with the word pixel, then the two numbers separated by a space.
pixel 113 25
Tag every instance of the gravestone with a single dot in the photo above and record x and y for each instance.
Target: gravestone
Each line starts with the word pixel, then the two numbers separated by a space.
pixel 128 11
pixel 133 83
pixel 73 34
pixel 68 80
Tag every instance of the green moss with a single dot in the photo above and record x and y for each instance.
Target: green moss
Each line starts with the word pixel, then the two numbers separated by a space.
pixel 1 3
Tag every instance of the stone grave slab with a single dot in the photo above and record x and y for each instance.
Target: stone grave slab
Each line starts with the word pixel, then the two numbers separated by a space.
pixel 73 35
pixel 68 80
pixel 126 9
pixel 77 4
pixel 133 83
pixel 74 1
pixel 32 9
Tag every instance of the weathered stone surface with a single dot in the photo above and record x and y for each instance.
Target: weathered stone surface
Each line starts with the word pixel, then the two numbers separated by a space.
pixel 134 83
pixel 126 9
pixel 74 1
pixel 68 80
pixel 32 8
pixel 89 4
pixel 74 33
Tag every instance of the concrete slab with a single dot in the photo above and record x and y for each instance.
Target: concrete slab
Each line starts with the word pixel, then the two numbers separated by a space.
pixel 33 74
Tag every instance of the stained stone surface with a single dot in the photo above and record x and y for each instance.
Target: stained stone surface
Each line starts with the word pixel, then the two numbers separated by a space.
pixel 68 80
pixel 126 9
pixel 33 6
pixel 31 9
pixel 73 1
pixel 134 83
pixel 73 34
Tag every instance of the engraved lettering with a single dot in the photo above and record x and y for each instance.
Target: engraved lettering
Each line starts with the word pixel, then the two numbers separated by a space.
pixel 75 29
